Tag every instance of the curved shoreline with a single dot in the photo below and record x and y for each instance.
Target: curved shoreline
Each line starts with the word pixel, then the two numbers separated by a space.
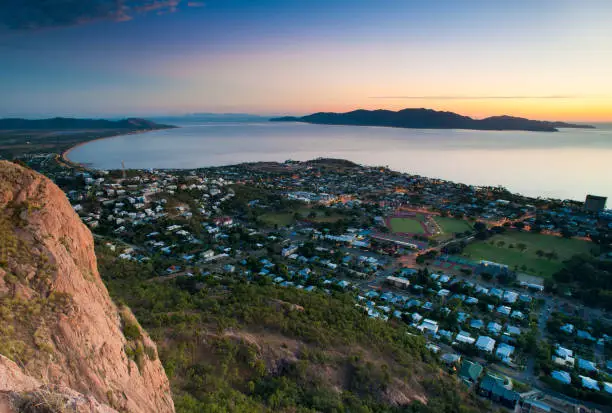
pixel 67 160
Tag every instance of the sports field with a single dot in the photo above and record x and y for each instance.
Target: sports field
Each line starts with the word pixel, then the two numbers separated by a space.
pixel 519 250
pixel 406 225
pixel 452 225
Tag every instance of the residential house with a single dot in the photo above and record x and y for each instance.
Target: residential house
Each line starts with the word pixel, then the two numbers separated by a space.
pixel 561 376
pixel 470 371
pixel 494 328
pixel 428 327
pixel 589 383
pixel 493 388
pixel 465 338
pixel 587 365
pixel 504 352
pixel 485 343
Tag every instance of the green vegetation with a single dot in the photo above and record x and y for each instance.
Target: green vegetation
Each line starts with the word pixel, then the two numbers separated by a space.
pixel 453 225
pixel 131 330
pixel 534 254
pixel 25 322
pixel 281 219
pixel 135 348
pixel 21 142
pixel 407 225
pixel 585 278
pixel 24 137
pixel 232 345
pixel 576 392
pixel 284 218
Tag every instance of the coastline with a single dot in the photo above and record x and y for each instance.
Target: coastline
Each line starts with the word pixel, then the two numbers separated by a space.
pixel 464 146
pixel 64 155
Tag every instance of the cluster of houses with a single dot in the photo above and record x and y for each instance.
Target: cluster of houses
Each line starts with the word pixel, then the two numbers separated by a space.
pixel 124 206
pixel 573 220
pixel 446 309
pixel 500 389
pixel 420 306
pixel 571 369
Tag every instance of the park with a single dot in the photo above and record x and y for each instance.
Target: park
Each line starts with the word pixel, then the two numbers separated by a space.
pixel 536 254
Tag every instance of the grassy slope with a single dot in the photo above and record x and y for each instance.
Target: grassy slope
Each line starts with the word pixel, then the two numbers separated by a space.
pixel 541 266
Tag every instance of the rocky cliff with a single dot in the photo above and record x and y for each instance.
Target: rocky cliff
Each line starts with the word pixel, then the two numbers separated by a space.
pixel 63 342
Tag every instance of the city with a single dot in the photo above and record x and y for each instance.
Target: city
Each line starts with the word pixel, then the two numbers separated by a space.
pixel 406 248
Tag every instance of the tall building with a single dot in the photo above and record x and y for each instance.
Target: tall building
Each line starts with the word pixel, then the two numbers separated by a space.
pixel 595 203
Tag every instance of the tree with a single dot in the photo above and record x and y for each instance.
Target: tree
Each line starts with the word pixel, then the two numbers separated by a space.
pixel 480 226
pixel 486 276
pixel 482 235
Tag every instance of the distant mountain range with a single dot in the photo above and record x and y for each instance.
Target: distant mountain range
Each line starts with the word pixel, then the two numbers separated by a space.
pixel 72 123
pixel 427 119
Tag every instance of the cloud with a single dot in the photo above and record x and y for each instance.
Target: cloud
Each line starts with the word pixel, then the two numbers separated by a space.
pixel 195 4
pixel 39 14
pixel 476 97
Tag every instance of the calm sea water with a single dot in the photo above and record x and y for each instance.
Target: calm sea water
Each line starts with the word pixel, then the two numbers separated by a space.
pixel 567 164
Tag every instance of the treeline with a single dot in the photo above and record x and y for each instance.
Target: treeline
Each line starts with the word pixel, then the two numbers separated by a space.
pixel 587 278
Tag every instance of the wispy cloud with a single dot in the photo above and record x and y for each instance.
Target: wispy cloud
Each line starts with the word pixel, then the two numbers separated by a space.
pixel 40 14
pixel 459 97
pixel 196 4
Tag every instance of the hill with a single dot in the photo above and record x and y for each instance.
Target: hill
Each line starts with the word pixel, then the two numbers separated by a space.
pixel 227 344
pixel 230 344
pixel 72 123
pixel 64 345
pixel 427 119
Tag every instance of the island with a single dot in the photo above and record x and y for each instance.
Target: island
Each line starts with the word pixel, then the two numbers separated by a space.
pixel 428 119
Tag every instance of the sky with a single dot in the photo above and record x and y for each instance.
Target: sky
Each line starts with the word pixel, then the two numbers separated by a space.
pixel 542 59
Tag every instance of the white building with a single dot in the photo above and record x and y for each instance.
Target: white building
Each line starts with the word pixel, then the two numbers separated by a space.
pixel 428 326
pixel 399 282
pixel 464 337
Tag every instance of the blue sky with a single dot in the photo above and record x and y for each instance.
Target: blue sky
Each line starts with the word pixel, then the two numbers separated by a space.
pixel 537 58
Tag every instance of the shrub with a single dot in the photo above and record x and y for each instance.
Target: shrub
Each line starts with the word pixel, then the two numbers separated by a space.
pixel 131 331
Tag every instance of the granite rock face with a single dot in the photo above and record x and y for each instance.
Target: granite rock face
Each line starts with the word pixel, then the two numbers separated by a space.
pixel 60 332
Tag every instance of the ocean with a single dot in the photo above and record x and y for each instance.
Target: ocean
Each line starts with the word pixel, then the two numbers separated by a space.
pixel 567 164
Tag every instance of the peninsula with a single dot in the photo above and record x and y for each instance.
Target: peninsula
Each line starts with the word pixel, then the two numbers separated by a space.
pixel 73 123
pixel 427 119
pixel 30 136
